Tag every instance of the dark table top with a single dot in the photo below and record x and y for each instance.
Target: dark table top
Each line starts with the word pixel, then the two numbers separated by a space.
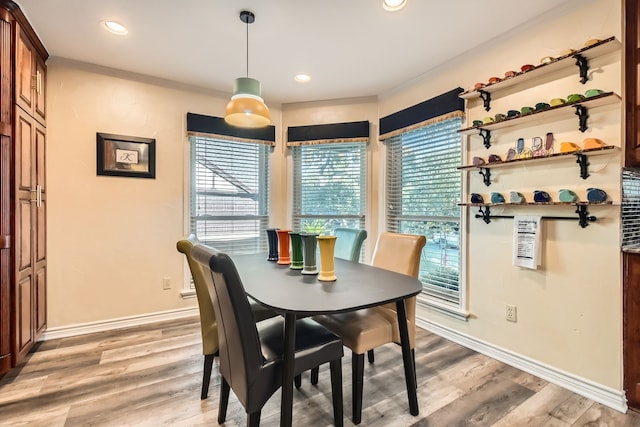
pixel 357 286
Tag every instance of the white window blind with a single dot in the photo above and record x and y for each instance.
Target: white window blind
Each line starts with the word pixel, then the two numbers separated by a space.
pixel 423 190
pixel 230 194
pixel 329 186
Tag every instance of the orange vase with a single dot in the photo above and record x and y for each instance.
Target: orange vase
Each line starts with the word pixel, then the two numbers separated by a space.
pixel 284 254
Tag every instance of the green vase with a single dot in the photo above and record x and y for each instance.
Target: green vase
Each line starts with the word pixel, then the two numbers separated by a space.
pixel 309 244
pixel 296 251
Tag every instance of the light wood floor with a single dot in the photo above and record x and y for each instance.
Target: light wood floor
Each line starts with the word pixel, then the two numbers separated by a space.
pixel 151 376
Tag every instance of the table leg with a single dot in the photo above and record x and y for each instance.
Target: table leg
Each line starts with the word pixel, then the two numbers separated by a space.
pixel 409 367
pixel 286 405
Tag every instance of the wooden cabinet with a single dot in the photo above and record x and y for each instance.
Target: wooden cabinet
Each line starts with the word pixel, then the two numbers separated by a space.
pixel 23 260
pixel 632 83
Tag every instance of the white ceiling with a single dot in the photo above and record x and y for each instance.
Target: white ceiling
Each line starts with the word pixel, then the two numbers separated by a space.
pixel 351 48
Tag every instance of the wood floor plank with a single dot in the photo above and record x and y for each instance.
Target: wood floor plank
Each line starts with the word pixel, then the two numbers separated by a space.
pixel 151 375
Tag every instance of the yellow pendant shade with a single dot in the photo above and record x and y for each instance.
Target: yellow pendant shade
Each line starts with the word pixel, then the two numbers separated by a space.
pixel 246 108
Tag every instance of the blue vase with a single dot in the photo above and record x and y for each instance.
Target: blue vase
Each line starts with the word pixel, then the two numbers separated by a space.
pixel 272 238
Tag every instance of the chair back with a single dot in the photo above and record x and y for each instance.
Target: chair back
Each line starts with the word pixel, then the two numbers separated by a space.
pixel 240 354
pixel 208 324
pixel 400 253
pixel 349 243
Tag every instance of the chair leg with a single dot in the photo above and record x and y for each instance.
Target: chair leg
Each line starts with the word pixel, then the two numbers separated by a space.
pixel 415 370
pixel 206 376
pixel 357 374
pixel 314 375
pixel 336 391
pixel 253 419
pixel 297 380
pixel 224 400
pixel 370 356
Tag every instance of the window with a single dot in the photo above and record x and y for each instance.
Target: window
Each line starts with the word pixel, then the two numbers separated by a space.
pixel 329 186
pixel 423 190
pixel 229 206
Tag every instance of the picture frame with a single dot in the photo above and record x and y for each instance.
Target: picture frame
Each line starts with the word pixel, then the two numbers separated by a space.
pixel 127 156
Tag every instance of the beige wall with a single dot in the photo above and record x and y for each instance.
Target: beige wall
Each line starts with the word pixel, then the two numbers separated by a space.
pixel 112 240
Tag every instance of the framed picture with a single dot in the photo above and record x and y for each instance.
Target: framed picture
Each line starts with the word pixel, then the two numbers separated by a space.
pixel 119 155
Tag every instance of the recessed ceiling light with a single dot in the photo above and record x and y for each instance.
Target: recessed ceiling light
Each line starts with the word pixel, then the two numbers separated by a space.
pixel 393 5
pixel 115 27
pixel 302 78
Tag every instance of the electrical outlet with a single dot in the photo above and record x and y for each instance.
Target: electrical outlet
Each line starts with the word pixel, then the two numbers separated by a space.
pixel 166 283
pixel 512 313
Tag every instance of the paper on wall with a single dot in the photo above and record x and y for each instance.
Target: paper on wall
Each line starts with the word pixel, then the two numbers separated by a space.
pixel 527 241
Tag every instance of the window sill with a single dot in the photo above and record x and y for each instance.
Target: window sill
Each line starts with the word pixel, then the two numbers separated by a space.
pixel 448 310
pixel 188 293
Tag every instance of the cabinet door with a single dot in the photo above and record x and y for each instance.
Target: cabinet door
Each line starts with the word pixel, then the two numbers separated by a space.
pixel 632 84
pixel 39 96
pixel 30 250
pixel 26 79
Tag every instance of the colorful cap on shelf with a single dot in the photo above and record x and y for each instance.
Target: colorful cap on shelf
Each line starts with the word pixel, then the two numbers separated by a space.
pixel 567 52
pixel 593 92
pixel 575 97
pixel 478 85
pixel 542 106
pixel 527 67
pixel 513 113
pixel 593 143
pixel 569 147
pixel 591 42
pixel 596 195
pixel 557 101
pixel 478 161
pixel 526 110
pixel 493 158
pixel 500 117
pixel 540 196
pixel 497 198
pixel 510 73
pixel 566 195
pixel 478 122
pixel 476 198
pixel 515 197
pixel 487 120
pixel 547 59
pixel 493 80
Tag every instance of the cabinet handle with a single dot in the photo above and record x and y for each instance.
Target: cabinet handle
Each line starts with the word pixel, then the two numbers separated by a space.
pixel 38 82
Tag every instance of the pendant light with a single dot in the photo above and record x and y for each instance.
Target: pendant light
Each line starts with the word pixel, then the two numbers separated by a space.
pixel 246 108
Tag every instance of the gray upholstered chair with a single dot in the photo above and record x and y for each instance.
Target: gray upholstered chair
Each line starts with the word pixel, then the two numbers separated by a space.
pixel 363 330
pixel 349 243
pixel 251 354
pixel 208 324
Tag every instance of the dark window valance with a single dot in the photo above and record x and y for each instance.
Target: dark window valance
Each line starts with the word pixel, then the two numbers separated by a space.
pixel 436 109
pixel 198 124
pixel 328 133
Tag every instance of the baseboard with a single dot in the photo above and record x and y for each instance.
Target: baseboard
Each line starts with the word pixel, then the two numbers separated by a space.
pixel 614 399
pixel 119 323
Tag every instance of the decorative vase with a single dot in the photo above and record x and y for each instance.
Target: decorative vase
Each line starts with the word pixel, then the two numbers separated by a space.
pixel 327 246
pixel 309 245
pixel 284 257
pixel 296 251
pixel 272 238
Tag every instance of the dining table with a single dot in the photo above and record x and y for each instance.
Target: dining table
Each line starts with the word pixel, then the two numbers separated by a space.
pixel 295 295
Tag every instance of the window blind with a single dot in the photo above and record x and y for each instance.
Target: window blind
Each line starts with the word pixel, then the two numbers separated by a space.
pixel 423 188
pixel 229 206
pixel 329 186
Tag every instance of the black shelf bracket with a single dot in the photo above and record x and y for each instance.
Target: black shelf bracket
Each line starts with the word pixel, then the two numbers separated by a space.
pixel 584 218
pixel 583 65
pixel 486 99
pixel 583 161
pixel 486 137
pixel 486 176
pixel 583 115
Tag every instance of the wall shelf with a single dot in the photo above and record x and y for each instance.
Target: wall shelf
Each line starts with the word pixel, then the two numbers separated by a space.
pixel 580 58
pixel 581 160
pixel 579 108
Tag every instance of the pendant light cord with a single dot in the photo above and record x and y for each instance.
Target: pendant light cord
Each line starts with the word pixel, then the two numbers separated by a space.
pixel 247 48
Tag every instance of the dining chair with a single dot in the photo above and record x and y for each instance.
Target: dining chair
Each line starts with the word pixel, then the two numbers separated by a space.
pixel 208 323
pixel 363 330
pixel 349 243
pixel 251 355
